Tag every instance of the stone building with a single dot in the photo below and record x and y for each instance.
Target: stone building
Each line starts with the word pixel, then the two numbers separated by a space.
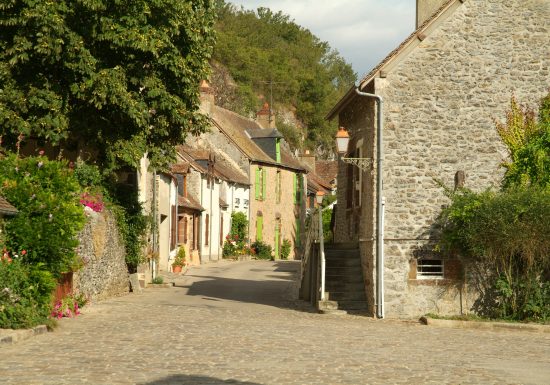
pixel 442 89
pixel 276 204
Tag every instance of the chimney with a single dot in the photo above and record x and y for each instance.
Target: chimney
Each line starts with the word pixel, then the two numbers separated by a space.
pixel 207 98
pixel 426 9
pixel 309 159
pixel 265 118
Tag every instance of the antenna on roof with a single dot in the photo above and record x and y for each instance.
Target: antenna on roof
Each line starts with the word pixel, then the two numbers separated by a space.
pixel 270 82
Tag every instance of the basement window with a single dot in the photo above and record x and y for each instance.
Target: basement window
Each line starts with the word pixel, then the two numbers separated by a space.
pixel 429 269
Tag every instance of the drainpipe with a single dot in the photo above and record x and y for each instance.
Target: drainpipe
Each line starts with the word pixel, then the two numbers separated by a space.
pixel 379 205
pixel 155 221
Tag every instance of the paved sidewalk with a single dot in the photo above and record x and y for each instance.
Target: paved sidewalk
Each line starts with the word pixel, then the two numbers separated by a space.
pixel 238 323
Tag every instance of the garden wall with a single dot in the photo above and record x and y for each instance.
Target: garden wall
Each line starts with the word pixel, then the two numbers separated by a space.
pixel 101 248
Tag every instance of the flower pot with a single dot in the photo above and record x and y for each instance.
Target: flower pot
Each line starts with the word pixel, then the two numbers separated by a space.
pixel 176 269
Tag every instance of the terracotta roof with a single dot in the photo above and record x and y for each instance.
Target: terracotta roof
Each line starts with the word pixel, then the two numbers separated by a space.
pixel 185 152
pixel 224 171
pixel 223 203
pixel 372 74
pixel 327 169
pixel 180 168
pixel 6 207
pixel 317 183
pixel 189 202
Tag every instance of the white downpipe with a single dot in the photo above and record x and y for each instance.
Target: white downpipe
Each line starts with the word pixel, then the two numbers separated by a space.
pixel 379 205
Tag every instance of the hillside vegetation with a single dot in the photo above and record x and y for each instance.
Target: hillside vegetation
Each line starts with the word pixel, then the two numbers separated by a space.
pixel 266 52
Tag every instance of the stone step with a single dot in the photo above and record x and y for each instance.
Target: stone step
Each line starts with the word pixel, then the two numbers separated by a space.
pixel 342 246
pixel 339 278
pixel 343 262
pixel 344 286
pixel 345 270
pixel 341 253
pixel 347 296
pixel 327 305
pixel 352 305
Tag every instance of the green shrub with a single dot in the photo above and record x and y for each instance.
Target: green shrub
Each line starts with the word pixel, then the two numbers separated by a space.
pixel 180 258
pixel 503 240
pixel 25 294
pixel 158 280
pixel 262 250
pixel 235 242
pixel 285 249
pixel 46 194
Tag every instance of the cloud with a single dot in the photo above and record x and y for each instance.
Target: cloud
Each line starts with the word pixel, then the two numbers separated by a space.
pixel 363 31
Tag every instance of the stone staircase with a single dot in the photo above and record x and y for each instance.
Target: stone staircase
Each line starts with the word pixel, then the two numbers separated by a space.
pixel 344 284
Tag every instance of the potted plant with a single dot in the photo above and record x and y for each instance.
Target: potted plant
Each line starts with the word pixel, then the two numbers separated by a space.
pixel 179 261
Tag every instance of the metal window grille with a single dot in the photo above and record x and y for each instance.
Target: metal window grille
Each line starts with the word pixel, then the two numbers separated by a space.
pixel 429 269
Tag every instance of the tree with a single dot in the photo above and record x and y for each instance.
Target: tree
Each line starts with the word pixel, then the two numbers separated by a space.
pixel 120 75
pixel 266 52
pixel 528 142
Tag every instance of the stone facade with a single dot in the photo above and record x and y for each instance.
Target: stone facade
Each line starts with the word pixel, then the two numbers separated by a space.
pixel 441 98
pixel 104 273
pixel 280 213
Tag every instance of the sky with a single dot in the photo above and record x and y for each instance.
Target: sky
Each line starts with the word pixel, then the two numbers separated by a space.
pixel 363 31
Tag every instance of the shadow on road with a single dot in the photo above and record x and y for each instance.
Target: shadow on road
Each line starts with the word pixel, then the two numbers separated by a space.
pixel 276 289
pixel 181 379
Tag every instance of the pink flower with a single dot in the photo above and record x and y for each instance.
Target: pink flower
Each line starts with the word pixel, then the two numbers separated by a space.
pixel 41 152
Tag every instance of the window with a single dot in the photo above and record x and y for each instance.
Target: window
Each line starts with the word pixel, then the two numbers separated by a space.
pixel 260 185
pixel 206 229
pixel 237 201
pixel 245 203
pixel 174 226
pixel 195 238
pixel 182 230
pixel 429 269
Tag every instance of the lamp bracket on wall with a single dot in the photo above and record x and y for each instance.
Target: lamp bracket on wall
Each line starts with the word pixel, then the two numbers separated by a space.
pixel 363 163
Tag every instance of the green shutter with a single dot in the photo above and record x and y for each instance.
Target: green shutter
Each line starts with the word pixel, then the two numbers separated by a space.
pixel 259 228
pixel 278 150
pixel 264 184
pixel 257 185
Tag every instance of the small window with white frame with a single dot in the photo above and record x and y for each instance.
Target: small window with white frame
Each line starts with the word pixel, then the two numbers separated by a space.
pixel 237 201
pixel 429 269
pixel 245 202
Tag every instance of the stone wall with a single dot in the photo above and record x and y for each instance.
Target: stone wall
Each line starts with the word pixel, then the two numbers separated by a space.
pixel 440 105
pixel 104 273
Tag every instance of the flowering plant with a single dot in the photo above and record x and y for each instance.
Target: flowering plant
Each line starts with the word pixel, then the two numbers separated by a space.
pixel 6 255
pixel 68 306
pixel 92 201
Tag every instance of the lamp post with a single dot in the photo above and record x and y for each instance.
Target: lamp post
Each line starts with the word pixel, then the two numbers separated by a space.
pixel 319 197
pixel 342 143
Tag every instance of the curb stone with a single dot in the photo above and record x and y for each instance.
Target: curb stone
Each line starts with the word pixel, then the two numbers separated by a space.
pixel 11 336
pixel 484 325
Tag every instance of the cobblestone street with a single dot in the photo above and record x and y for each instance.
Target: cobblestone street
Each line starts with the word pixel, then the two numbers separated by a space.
pixel 238 323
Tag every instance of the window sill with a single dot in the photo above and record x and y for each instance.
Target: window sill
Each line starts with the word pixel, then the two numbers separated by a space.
pixel 432 282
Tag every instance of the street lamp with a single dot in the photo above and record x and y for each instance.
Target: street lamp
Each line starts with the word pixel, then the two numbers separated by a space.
pixel 342 142
pixel 319 197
